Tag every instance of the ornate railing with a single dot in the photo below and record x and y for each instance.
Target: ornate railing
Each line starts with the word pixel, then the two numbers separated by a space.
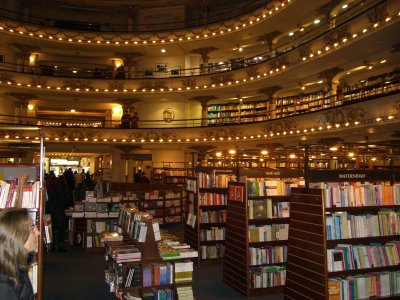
pixel 348 96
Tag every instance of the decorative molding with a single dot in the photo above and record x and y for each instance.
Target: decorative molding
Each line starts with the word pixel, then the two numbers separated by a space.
pixel 189 82
pixel 151 134
pixel 116 85
pixel 252 71
pixel 378 14
pixel 279 126
pixel 6 77
pixel 39 81
pixel 337 35
pixel 342 115
pixel 78 84
pixel 218 133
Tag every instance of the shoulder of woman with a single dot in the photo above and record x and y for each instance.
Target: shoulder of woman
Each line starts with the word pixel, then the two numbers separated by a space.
pixel 7 288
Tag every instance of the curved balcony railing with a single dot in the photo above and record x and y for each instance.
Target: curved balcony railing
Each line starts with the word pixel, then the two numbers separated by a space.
pixel 309 35
pixel 351 95
pixel 212 17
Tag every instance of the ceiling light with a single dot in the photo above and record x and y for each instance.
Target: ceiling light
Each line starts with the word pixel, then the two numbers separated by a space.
pixel 163 50
pixel 317 21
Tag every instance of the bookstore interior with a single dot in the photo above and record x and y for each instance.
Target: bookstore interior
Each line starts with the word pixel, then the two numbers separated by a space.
pixel 261 137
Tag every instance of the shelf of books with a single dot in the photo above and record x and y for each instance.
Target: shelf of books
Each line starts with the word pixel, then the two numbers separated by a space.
pixel 296 104
pixel 233 113
pixel 257 229
pixel 344 236
pixel 20 187
pixel 163 201
pixel 90 218
pixel 205 221
pixel 175 176
pixel 147 263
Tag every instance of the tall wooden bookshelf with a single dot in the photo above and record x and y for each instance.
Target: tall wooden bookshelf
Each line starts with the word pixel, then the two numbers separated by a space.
pixel 325 261
pixel 28 176
pixel 256 230
pixel 205 221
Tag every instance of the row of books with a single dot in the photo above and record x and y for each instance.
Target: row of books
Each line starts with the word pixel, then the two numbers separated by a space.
pixel 262 209
pixel 212 199
pixel 91 214
pixel 212 234
pixel 267 233
pixel 191 185
pixel 364 286
pixel 267 255
pixel 95 226
pixel 269 276
pixel 19 193
pixel 173 195
pixel 158 274
pixel 270 187
pixel 162 204
pixel 214 180
pixel 86 206
pixel 212 251
pixel 356 194
pixel 353 257
pixel 342 225
pixel 213 216
pixel 170 172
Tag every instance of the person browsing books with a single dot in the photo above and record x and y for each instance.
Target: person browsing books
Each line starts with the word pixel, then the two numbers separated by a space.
pixel 18 240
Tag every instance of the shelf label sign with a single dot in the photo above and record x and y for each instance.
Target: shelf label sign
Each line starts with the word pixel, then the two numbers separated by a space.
pixel 349 175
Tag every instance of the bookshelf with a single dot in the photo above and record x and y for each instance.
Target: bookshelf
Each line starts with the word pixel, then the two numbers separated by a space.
pixel 342 236
pixel 25 183
pixel 163 201
pixel 256 230
pixel 206 205
pixel 147 263
pixel 233 113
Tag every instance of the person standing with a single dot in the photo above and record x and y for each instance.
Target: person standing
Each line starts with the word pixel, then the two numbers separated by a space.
pixel 18 238
pixel 56 203
pixel 134 120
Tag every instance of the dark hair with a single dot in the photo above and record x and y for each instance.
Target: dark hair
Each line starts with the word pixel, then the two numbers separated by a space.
pixel 15 226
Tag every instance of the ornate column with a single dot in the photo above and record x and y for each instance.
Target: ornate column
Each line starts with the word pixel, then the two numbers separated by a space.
pixel 271 99
pixel 204 52
pixel 269 38
pixel 21 107
pixel 204 107
pixel 126 156
pixel 129 63
pixel 331 83
pixel 23 52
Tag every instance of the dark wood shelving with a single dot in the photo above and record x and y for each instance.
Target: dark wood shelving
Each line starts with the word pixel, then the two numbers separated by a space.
pixel 364 240
pixel 361 209
pixel 307 261
pixel 237 267
pixel 192 235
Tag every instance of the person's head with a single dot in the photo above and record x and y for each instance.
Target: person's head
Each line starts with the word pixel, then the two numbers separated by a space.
pixel 18 237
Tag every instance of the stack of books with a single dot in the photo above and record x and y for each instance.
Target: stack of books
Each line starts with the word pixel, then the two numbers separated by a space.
pixel 184 272
pixel 185 293
pixel 111 236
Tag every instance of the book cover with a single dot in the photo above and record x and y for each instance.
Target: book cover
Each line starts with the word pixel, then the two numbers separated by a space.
pixel 259 209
